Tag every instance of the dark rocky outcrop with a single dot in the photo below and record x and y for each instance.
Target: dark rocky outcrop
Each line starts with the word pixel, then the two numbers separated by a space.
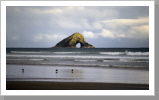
pixel 72 41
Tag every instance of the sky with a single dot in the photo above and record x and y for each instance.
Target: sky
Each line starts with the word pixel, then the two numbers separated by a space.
pixel 101 26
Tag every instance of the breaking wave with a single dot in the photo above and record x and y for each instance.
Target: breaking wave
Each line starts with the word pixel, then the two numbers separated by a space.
pixel 124 53
pixel 73 56
pixel 85 60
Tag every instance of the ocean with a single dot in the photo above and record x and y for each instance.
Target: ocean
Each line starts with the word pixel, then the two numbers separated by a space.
pixel 93 57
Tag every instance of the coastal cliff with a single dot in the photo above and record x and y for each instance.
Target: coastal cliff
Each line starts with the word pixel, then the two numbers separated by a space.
pixel 72 41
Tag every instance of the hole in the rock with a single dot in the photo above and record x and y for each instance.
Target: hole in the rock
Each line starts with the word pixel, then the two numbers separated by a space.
pixel 78 45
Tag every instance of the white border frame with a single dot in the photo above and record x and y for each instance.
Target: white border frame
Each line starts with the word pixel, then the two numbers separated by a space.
pixel 77 92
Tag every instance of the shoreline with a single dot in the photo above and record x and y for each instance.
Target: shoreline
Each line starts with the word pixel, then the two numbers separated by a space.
pixel 93 66
pixel 39 85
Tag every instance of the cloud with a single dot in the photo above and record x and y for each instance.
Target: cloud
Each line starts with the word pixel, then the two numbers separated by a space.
pixel 134 31
pixel 120 28
pixel 53 11
pixel 38 10
pixel 97 26
pixel 103 33
pixel 89 34
pixel 130 28
pixel 121 35
pixel 141 31
pixel 47 37
pixel 137 21
pixel 107 33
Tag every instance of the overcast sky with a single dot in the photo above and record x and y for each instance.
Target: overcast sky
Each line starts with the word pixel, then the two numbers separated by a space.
pixel 101 26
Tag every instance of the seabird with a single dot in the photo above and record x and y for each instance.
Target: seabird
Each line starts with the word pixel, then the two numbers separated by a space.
pixel 22 70
pixel 56 71
pixel 72 70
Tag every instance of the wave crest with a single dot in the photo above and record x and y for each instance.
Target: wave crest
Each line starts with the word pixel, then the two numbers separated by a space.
pixel 124 53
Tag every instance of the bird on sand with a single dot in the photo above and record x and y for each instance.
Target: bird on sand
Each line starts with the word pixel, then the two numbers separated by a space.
pixel 56 71
pixel 72 70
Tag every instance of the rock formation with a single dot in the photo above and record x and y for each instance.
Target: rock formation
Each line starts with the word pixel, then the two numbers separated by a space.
pixel 72 41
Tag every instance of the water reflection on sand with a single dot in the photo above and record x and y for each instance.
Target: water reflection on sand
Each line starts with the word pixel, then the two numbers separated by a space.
pixel 75 74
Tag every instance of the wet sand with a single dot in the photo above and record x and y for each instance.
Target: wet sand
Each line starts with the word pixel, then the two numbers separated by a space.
pixel 81 78
pixel 39 85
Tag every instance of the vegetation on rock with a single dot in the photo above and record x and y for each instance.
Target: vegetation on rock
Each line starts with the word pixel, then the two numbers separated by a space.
pixel 72 41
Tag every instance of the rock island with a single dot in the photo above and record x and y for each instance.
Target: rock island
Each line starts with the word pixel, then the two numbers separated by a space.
pixel 72 41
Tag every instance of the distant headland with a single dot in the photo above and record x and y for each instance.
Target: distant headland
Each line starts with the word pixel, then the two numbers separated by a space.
pixel 72 41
